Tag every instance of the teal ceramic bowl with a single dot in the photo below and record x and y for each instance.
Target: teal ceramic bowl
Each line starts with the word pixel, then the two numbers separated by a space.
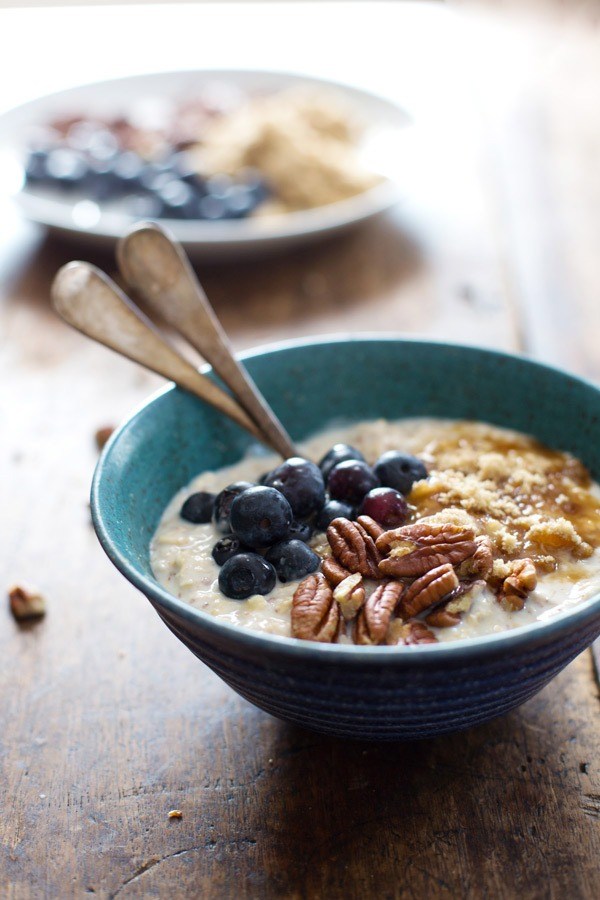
pixel 360 692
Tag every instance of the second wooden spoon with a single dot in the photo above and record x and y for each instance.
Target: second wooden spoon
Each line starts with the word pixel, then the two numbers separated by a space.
pixel 157 268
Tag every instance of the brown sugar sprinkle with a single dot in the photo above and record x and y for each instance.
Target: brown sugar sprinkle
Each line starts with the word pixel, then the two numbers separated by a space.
pixel 527 498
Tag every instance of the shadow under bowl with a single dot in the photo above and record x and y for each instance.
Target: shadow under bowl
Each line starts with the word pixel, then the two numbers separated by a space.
pixel 377 693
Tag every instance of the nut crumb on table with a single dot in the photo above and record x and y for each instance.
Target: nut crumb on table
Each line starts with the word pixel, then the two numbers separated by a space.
pixel 26 603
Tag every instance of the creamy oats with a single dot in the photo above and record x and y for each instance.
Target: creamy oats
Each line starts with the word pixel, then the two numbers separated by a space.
pixel 529 501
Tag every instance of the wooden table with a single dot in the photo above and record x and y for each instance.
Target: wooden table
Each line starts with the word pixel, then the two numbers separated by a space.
pixel 107 722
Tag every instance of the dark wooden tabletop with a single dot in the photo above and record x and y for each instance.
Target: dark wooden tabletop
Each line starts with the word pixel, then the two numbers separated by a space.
pixel 107 722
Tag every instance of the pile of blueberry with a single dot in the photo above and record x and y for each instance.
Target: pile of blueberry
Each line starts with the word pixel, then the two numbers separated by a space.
pixel 266 526
pixel 99 169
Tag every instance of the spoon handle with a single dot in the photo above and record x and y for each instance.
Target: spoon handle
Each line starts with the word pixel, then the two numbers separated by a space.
pixel 89 301
pixel 156 266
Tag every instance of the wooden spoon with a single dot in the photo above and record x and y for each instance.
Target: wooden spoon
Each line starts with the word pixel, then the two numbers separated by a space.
pixel 156 266
pixel 89 301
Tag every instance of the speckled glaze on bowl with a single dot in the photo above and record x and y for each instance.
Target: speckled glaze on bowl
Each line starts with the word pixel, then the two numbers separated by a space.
pixel 378 693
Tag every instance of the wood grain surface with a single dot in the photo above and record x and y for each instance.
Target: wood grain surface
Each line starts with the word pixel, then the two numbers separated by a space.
pixel 107 722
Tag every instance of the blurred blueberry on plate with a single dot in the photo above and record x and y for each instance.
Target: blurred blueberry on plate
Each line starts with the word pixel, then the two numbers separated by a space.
pixel 127 169
pixel 143 206
pixel 35 167
pixel 179 200
pixel 66 168
pixel 240 202
pixel 213 208
pixel 218 185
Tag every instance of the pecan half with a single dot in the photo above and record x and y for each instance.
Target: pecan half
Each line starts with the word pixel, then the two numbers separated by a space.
pixel 374 618
pixel 413 632
pixel 373 528
pixel 353 547
pixel 424 534
pixel 516 586
pixel 315 614
pixel 442 618
pixel 481 562
pixel 333 572
pixel 427 590
pixel 425 558
pixel 459 601
pixel 350 594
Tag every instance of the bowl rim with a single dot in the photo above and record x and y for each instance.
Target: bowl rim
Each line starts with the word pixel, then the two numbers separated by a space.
pixel 511 639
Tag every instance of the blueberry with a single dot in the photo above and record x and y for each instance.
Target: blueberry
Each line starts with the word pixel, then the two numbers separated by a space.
pixel 143 206
pixel 246 574
pixel 35 167
pixel 213 208
pixel 399 470
pixel 198 508
pixel 179 200
pixel 218 185
pixel 66 168
pixel 386 506
pixel 301 482
pixel 260 516
pixel 184 169
pixel 103 145
pixel 127 169
pixel 338 453
pixel 292 560
pixel 253 181
pixel 153 175
pixel 301 531
pixel 351 480
pixel 228 546
pixel 333 509
pixel 239 201
pixel 223 503
pixel 100 182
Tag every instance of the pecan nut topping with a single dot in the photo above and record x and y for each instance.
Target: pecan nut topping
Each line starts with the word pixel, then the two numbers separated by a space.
pixel 423 559
pixel 373 528
pixel 333 572
pixel 481 562
pixel 459 601
pixel 315 614
pixel 350 594
pixel 374 618
pixel 410 633
pixel 428 590
pixel 353 548
pixel 516 586
pixel 442 618
pixel 424 534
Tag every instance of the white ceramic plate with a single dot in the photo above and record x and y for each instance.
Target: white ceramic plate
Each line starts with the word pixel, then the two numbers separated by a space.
pixel 385 137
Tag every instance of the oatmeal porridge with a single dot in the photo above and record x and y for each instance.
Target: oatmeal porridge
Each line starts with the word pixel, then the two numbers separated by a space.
pixel 407 532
